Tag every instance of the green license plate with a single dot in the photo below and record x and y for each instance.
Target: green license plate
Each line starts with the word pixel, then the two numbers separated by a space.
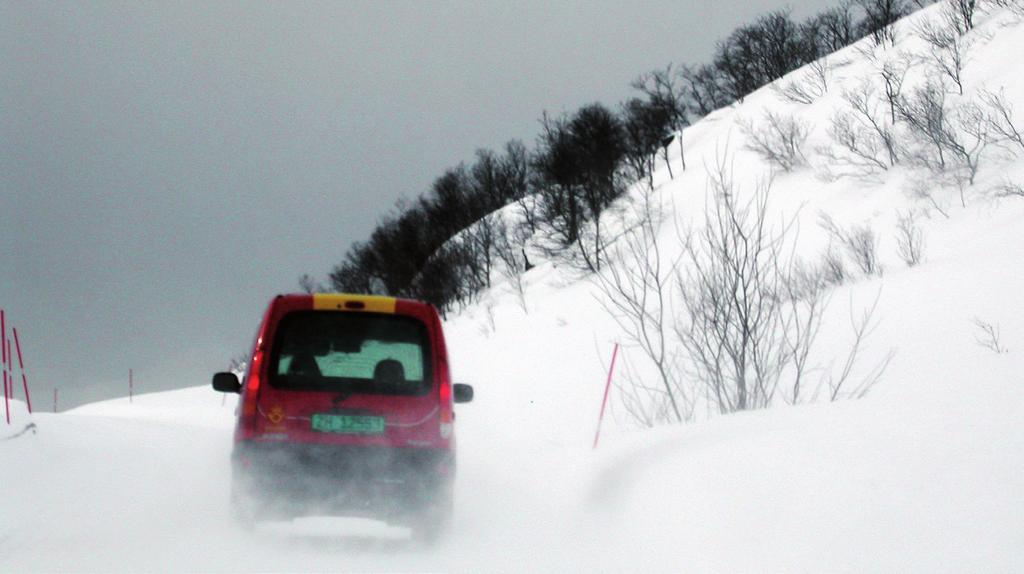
pixel 348 424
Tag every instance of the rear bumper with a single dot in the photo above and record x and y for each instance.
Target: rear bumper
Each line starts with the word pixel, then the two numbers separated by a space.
pixel 295 479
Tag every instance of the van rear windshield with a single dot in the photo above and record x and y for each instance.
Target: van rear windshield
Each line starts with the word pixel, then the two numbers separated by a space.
pixel 358 353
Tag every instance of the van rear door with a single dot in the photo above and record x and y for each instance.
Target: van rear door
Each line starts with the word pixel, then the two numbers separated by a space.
pixel 350 377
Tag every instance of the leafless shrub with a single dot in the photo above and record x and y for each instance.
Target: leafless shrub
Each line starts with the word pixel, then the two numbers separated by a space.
pixel 909 239
pixel 863 142
pixel 806 298
pixel 731 305
pixel 989 336
pixel 860 243
pixel 862 327
pixel 1015 7
pixel 853 151
pixel 864 104
pixel 750 316
pixel 947 46
pixel 746 318
pixel 953 140
pixel 1009 189
pixel 809 86
pixel 644 404
pixel 961 14
pixel 999 117
pixel 922 189
pixel 778 139
pixel 635 293
pixel 833 266
pixel 970 141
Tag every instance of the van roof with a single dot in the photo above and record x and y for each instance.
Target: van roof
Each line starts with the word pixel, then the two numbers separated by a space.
pixel 352 302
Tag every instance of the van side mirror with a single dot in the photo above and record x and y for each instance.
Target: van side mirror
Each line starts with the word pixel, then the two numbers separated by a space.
pixel 226 383
pixel 462 393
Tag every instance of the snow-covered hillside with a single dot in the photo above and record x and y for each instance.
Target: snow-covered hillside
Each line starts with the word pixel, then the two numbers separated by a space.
pixel 924 474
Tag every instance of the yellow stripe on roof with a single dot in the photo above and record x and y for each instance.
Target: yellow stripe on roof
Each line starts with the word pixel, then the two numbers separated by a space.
pixel 337 302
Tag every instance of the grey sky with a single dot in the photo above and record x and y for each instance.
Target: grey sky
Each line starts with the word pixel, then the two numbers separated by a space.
pixel 167 167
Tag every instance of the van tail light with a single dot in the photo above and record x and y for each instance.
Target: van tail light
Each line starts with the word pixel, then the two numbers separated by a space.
pixel 445 398
pixel 247 419
pixel 446 392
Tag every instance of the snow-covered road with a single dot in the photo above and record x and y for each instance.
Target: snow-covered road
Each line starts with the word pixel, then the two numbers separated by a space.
pixel 144 487
pixel 864 486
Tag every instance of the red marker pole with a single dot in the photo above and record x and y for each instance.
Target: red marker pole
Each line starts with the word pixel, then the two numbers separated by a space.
pixel 604 401
pixel 10 367
pixel 21 365
pixel 55 400
pixel 3 365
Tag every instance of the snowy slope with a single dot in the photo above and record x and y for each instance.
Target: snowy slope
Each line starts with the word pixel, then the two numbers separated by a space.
pixel 922 475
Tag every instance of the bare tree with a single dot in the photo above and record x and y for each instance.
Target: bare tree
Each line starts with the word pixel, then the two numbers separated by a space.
pixel 578 169
pixel 864 142
pixel 704 88
pixel 969 142
pixel 962 13
pixel 745 320
pixel 952 140
pixel 635 293
pixel 880 17
pixel 778 139
pixel 909 239
pixel 893 72
pixel 926 115
pixel 664 90
pixel 948 48
pixel 853 150
pixel 481 241
pixel 310 285
pixel 836 27
pixel 999 117
pixel 804 303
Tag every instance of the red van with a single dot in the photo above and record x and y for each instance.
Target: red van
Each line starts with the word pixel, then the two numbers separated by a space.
pixel 346 408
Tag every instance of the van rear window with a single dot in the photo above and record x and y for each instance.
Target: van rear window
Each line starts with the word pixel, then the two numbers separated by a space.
pixel 361 353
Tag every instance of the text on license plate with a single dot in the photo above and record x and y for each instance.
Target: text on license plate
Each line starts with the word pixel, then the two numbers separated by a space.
pixel 348 424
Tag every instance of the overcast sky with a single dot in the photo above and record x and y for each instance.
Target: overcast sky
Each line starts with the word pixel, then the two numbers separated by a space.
pixel 167 167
